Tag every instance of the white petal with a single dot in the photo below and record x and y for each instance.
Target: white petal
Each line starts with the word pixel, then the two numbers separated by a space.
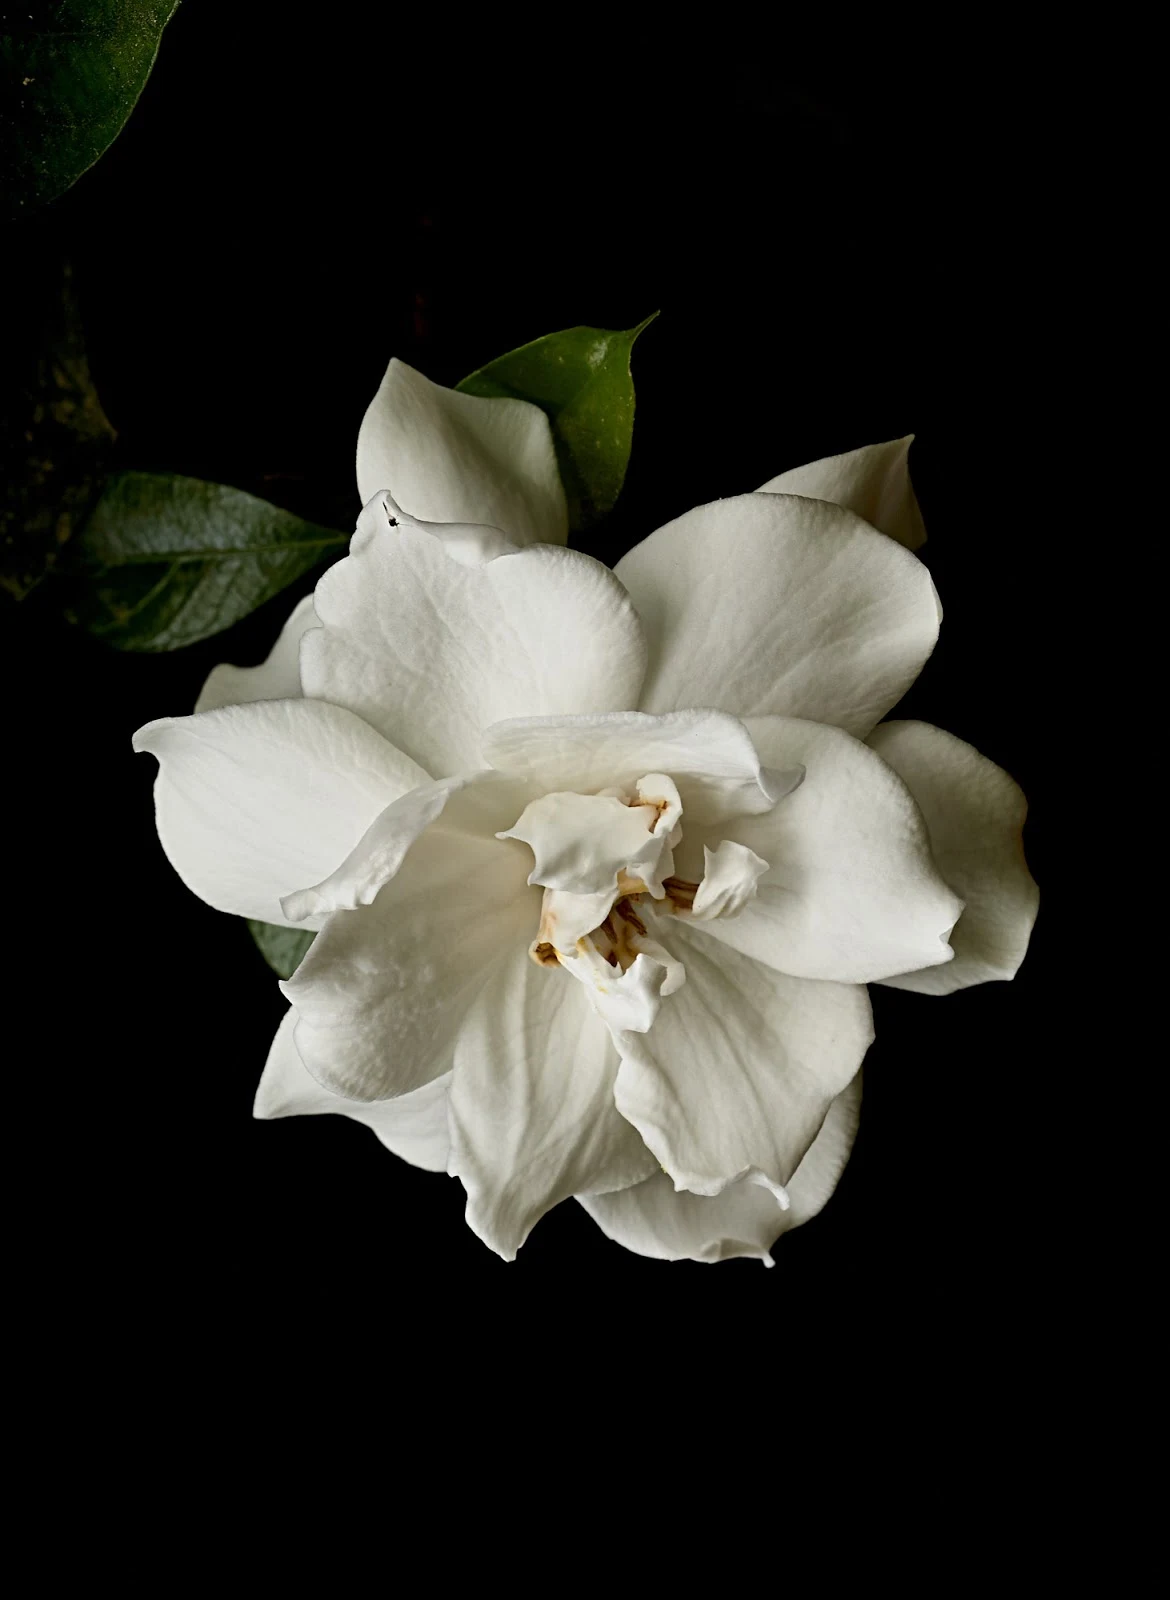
pixel 774 604
pixel 708 755
pixel 385 990
pixel 738 1072
pixel 468 544
pixel 627 1001
pixel 414 1126
pixel 584 844
pixel 581 841
pixel 731 874
pixel 975 814
pixel 475 803
pixel 430 648
pixel 565 918
pixel 253 801
pixel 450 457
pixel 277 678
pixel 659 790
pixel 532 1113
pixel 852 892
pixel 826 1158
pixel 654 1219
pixel 873 481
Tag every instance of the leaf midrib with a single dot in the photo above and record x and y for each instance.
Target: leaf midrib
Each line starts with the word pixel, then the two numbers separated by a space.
pixel 177 559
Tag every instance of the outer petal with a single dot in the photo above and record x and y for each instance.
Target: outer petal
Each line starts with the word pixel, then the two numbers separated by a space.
pixel 414 1126
pixel 819 1173
pixel 772 603
pixel 431 646
pixel 385 991
pixel 253 801
pixel 653 1219
pixel 533 1119
pixel 708 754
pixel 476 803
pixel 975 814
pixel 852 892
pixel 873 481
pixel 277 678
pixel 738 1072
pixel 450 457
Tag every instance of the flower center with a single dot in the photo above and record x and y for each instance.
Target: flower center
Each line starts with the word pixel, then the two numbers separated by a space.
pixel 595 850
pixel 598 857
pixel 606 864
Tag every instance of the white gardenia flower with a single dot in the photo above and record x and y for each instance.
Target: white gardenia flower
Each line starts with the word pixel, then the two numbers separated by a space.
pixel 601 862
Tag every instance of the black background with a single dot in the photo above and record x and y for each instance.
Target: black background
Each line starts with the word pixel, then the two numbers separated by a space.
pixel 838 257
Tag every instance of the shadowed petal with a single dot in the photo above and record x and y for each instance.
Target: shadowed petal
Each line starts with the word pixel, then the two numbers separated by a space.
pixel 276 678
pixel 654 1219
pixel 414 1126
pixel 873 481
pixel 385 990
pixel 975 814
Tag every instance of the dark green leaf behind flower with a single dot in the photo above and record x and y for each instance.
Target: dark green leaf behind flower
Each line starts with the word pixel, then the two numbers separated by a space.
pixel 165 561
pixel 283 948
pixel 581 379
pixel 70 74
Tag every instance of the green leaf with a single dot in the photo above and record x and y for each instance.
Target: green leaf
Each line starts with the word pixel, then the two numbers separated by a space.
pixel 282 948
pixel 581 379
pixel 70 74
pixel 164 561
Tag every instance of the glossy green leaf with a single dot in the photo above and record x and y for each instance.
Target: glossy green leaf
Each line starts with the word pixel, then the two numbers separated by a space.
pixel 70 74
pixel 165 561
pixel 282 948
pixel 581 379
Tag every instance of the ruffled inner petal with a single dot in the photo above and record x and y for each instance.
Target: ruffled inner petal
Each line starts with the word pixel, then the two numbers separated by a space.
pixel 731 875
pixel 709 756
